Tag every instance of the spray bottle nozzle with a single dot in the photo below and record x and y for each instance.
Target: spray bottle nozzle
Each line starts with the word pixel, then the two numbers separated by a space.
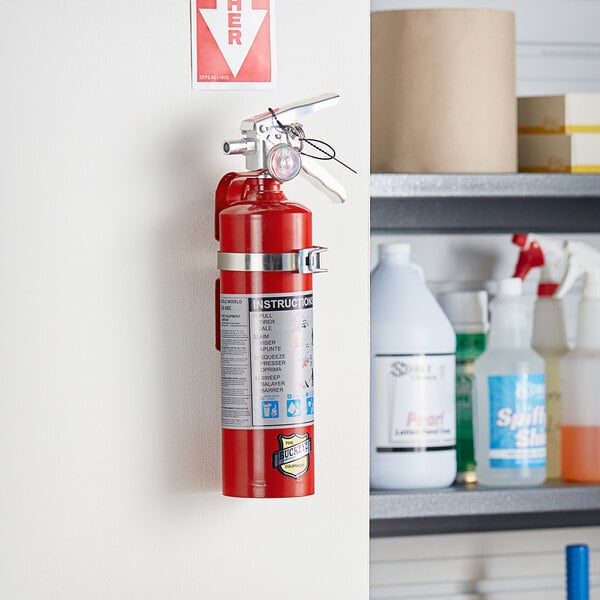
pixel 583 260
pixel 530 257
pixel 541 251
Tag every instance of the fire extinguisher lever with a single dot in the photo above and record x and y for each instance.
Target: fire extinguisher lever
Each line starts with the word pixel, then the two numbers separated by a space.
pixel 276 149
pixel 289 112
pixel 323 181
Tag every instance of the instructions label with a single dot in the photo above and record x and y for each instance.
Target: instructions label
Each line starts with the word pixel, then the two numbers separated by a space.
pixel 266 360
pixel 414 404
pixel 517 421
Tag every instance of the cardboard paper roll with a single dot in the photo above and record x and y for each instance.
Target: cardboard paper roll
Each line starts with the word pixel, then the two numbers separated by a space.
pixel 443 94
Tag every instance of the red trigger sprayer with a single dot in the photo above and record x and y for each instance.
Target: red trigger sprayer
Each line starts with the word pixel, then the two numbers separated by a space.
pixel 549 336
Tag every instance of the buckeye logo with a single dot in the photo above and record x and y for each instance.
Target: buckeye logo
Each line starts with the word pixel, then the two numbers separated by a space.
pixel 293 457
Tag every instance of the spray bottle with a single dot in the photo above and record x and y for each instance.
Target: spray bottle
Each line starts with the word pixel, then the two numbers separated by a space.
pixel 580 431
pixel 549 336
pixel 510 403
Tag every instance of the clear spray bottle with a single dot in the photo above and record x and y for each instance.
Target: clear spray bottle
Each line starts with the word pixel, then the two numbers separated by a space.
pixel 580 369
pixel 510 404
pixel 549 337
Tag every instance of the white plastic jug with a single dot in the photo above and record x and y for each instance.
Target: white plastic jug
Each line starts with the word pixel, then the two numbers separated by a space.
pixel 413 344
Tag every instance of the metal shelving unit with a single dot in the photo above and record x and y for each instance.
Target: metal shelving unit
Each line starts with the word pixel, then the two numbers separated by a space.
pixel 484 203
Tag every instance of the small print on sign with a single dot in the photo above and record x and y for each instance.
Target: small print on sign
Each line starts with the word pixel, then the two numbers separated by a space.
pixel 232 44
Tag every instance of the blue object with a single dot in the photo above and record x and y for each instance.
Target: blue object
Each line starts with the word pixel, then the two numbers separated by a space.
pixel 310 405
pixel 294 407
pixel 578 576
pixel 270 409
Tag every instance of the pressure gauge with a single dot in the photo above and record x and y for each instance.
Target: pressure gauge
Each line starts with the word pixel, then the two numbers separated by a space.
pixel 283 162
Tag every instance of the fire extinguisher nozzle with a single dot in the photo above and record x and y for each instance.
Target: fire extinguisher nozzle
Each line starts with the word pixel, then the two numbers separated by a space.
pixel 239 146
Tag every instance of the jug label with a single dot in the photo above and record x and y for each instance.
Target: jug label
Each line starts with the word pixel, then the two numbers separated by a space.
pixel 414 404
pixel 517 421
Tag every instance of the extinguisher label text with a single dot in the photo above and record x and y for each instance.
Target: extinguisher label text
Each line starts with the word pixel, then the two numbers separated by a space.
pixel 280 303
pixel 266 360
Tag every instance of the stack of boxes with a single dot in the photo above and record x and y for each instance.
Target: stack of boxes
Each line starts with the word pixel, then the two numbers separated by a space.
pixel 559 133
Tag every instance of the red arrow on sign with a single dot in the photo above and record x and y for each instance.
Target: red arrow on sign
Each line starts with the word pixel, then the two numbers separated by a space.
pixel 233 42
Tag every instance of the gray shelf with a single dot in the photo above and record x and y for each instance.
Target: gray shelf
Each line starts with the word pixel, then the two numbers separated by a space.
pixel 486 203
pixel 491 203
pixel 461 509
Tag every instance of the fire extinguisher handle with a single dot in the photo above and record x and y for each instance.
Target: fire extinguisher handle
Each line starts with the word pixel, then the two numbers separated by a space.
pixel 293 111
pixel 322 180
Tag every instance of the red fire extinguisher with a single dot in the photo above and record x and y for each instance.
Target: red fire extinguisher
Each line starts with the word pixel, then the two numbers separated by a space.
pixel 264 309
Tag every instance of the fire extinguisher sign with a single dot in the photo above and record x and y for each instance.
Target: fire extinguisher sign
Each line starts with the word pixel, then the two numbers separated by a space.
pixel 232 44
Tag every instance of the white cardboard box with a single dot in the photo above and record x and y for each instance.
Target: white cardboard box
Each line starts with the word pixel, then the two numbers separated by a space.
pixel 570 113
pixel 576 153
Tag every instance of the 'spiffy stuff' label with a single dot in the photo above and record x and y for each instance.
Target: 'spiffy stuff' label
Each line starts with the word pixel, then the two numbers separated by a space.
pixel 517 421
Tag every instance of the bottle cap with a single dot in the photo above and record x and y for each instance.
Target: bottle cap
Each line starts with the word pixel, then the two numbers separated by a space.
pixel 467 311
pixel 395 249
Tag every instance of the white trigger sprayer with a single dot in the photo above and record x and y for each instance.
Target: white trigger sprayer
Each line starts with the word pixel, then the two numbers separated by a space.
pixel 582 260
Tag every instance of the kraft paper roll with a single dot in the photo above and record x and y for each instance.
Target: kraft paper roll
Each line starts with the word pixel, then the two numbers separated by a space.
pixel 443 96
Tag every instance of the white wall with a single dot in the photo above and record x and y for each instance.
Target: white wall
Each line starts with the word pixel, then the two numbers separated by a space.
pixel 109 382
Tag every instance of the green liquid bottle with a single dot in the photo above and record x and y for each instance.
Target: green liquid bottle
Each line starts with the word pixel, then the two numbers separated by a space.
pixel 467 312
pixel 468 347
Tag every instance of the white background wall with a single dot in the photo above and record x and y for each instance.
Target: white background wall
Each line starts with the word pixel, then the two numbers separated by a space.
pixel 109 382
